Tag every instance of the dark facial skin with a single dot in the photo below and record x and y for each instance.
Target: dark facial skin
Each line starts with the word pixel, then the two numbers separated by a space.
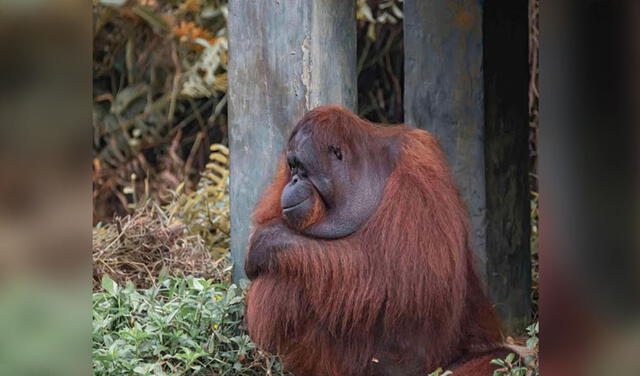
pixel 347 179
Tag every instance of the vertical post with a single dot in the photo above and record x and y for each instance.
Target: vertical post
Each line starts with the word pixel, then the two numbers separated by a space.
pixel 444 94
pixel 506 73
pixel 286 57
pixel 466 81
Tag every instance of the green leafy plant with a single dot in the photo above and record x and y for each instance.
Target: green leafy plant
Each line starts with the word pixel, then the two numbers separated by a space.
pixel 514 365
pixel 510 366
pixel 181 326
pixel 533 330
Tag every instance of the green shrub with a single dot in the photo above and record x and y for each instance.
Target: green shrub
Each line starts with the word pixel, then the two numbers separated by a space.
pixel 514 365
pixel 182 326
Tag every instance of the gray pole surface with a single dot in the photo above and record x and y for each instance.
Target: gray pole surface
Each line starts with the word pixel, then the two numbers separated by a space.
pixel 444 94
pixel 286 57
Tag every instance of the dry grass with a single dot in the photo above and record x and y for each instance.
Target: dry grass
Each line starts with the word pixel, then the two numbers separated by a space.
pixel 140 247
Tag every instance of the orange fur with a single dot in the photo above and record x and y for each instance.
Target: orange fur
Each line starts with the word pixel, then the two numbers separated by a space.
pixel 402 289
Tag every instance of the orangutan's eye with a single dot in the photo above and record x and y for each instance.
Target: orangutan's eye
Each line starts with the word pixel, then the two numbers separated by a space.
pixel 336 151
pixel 292 162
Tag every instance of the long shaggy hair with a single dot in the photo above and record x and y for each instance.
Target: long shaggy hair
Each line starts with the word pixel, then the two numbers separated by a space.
pixel 398 296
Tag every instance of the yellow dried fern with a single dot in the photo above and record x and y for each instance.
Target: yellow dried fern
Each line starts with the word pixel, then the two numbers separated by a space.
pixel 205 211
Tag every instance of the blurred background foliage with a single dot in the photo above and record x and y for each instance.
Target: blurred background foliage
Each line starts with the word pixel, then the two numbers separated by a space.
pixel 159 91
pixel 159 75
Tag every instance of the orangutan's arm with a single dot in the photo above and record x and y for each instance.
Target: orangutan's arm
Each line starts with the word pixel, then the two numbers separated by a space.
pixel 266 241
